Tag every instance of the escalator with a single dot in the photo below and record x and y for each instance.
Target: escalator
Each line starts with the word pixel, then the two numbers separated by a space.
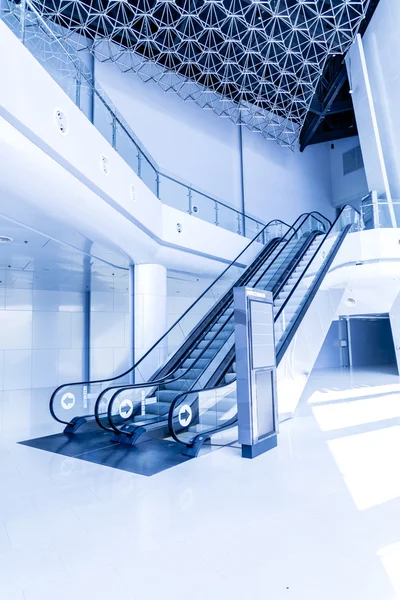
pixel 214 408
pixel 207 355
pixel 192 348
pixel 192 396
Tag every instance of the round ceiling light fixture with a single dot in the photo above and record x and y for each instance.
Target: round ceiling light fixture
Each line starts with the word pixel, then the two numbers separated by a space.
pixel 350 301
pixel 5 239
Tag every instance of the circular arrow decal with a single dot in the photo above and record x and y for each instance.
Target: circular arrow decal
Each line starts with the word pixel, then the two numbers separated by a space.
pixel 185 415
pixel 68 401
pixel 126 408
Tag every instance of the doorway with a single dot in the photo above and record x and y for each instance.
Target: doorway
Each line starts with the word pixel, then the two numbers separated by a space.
pixel 358 341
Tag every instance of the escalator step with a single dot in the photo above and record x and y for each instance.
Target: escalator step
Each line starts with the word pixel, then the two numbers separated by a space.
pixel 145 419
pixel 230 377
pixel 157 408
pixel 192 374
pixel 181 384
pixel 168 395
pixel 214 417
pixel 199 364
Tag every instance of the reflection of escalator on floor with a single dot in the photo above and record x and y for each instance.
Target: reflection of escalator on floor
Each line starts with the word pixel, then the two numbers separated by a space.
pixel 176 398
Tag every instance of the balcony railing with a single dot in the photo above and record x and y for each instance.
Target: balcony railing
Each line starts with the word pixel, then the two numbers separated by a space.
pixel 379 213
pixel 62 61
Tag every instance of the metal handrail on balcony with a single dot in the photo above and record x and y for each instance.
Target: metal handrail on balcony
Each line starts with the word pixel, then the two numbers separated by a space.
pixel 65 66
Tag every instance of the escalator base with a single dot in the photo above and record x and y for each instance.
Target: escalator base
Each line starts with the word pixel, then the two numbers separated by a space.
pixel 148 458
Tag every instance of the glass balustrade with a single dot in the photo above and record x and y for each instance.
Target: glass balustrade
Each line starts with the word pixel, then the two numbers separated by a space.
pixel 63 62
pixel 380 214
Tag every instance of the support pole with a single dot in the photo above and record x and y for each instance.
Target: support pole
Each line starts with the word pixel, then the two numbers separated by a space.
pixel 132 320
pixel 349 343
pixel 93 82
pixel 86 335
pixel 241 171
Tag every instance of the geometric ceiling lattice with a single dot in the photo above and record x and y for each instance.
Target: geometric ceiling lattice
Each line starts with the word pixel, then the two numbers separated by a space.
pixel 255 62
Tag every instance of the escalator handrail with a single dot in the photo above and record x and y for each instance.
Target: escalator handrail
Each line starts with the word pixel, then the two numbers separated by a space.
pixel 292 266
pixel 316 212
pixel 169 376
pixel 282 308
pixel 319 275
pixel 152 383
pixel 273 221
pixel 171 429
pixel 233 420
pixel 166 379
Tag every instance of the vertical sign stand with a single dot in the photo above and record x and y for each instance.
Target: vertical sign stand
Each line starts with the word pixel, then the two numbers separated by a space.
pixel 255 370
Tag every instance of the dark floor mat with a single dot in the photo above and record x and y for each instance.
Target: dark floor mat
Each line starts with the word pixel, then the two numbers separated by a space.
pixel 148 458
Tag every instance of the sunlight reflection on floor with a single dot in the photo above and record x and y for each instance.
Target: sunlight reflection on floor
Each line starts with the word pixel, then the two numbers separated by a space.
pixel 369 463
pixel 357 411
pixel 362 413
pixel 390 557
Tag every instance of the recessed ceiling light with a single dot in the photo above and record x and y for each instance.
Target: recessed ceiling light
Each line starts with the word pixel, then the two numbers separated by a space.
pixel 5 239
pixel 350 301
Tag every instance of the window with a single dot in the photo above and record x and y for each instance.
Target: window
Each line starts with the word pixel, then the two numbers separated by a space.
pixel 352 160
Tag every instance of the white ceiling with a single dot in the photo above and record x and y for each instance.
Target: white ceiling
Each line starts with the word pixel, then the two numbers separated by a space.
pixel 35 261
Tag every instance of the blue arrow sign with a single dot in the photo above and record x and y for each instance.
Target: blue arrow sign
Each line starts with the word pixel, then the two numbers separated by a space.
pixel 126 409
pixel 185 415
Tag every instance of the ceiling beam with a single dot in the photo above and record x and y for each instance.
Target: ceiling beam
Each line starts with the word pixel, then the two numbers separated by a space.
pixel 318 108
pixel 329 136
pixel 330 97
pixel 340 106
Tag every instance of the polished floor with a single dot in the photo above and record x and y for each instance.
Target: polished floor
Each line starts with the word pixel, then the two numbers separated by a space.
pixel 318 518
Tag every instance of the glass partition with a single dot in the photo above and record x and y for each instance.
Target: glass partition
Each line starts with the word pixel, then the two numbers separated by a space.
pixel 203 207
pixel 103 119
pixel 127 148
pixel 380 214
pixel 209 411
pixel 228 218
pixel 148 173
pixel 173 193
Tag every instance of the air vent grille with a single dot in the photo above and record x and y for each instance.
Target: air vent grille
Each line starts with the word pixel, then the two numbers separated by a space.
pixel 352 160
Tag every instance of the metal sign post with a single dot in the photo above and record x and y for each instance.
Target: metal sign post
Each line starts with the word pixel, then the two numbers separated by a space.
pixel 255 370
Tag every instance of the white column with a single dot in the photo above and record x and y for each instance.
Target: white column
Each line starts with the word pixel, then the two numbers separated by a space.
pixel 150 315
pixel 367 124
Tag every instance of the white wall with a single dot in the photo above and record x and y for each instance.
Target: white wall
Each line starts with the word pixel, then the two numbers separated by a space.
pixel 282 184
pixel 183 289
pixel 202 148
pixel 350 188
pixel 41 346
pixel 183 139
pixel 109 334
pixel 382 54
